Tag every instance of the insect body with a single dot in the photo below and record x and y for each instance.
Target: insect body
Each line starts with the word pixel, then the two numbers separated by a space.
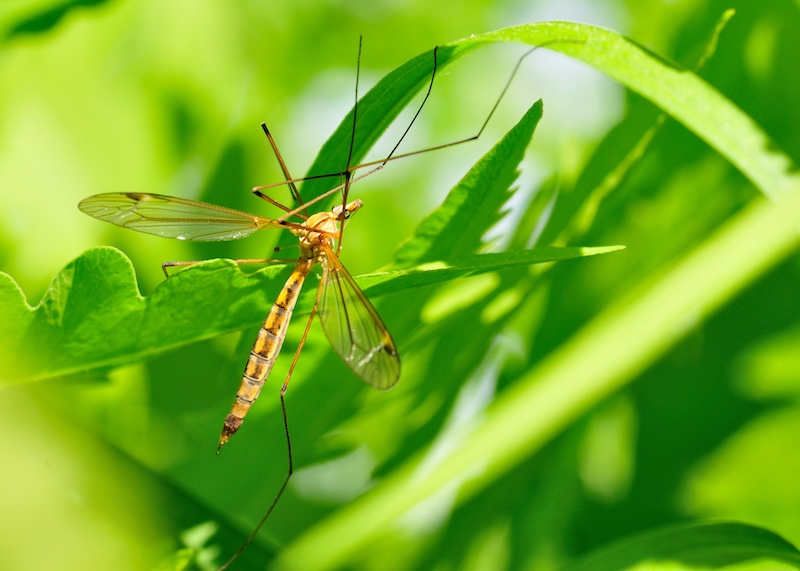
pixel 368 348
pixel 351 324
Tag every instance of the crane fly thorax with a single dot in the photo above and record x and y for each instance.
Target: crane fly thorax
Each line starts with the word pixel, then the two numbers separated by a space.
pixel 320 227
pixel 324 227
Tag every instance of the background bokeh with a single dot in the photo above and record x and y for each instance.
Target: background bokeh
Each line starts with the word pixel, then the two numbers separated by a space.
pixel 109 471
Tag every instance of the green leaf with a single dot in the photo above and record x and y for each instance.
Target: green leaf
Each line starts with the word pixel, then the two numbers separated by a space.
pixel 681 93
pixel 438 272
pixel 695 544
pixel 95 317
pixel 473 206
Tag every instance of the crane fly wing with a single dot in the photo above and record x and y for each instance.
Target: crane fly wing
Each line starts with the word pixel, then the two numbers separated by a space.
pixel 172 217
pixel 353 327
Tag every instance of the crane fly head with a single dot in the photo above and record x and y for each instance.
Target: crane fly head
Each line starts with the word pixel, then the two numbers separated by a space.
pixel 340 213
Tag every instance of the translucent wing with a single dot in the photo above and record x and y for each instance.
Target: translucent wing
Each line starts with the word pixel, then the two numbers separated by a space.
pixel 354 328
pixel 172 217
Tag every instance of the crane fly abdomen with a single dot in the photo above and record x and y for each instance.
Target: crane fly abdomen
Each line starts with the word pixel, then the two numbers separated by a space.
pixel 265 349
pixel 319 229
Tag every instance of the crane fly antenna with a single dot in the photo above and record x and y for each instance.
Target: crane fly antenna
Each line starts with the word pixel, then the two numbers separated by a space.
pixel 348 174
pixel 355 115
pixel 419 110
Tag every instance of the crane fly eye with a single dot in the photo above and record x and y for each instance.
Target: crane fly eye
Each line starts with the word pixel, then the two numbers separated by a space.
pixel 339 213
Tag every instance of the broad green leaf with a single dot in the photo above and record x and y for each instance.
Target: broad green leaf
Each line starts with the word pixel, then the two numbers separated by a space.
pixel 95 316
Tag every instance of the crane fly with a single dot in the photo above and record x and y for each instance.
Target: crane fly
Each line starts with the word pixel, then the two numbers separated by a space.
pixel 352 325
pixel 350 322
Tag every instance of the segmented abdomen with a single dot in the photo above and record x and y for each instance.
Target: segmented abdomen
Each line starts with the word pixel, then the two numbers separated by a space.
pixel 265 350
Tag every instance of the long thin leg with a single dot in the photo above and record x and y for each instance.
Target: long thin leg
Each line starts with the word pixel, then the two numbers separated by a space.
pixel 290 470
pixel 347 173
pixel 299 348
pixel 286 175
pixel 277 497
pixel 474 137
pixel 273 202
pixel 379 164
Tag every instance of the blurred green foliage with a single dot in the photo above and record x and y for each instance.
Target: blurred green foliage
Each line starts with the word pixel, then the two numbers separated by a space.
pixel 118 471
